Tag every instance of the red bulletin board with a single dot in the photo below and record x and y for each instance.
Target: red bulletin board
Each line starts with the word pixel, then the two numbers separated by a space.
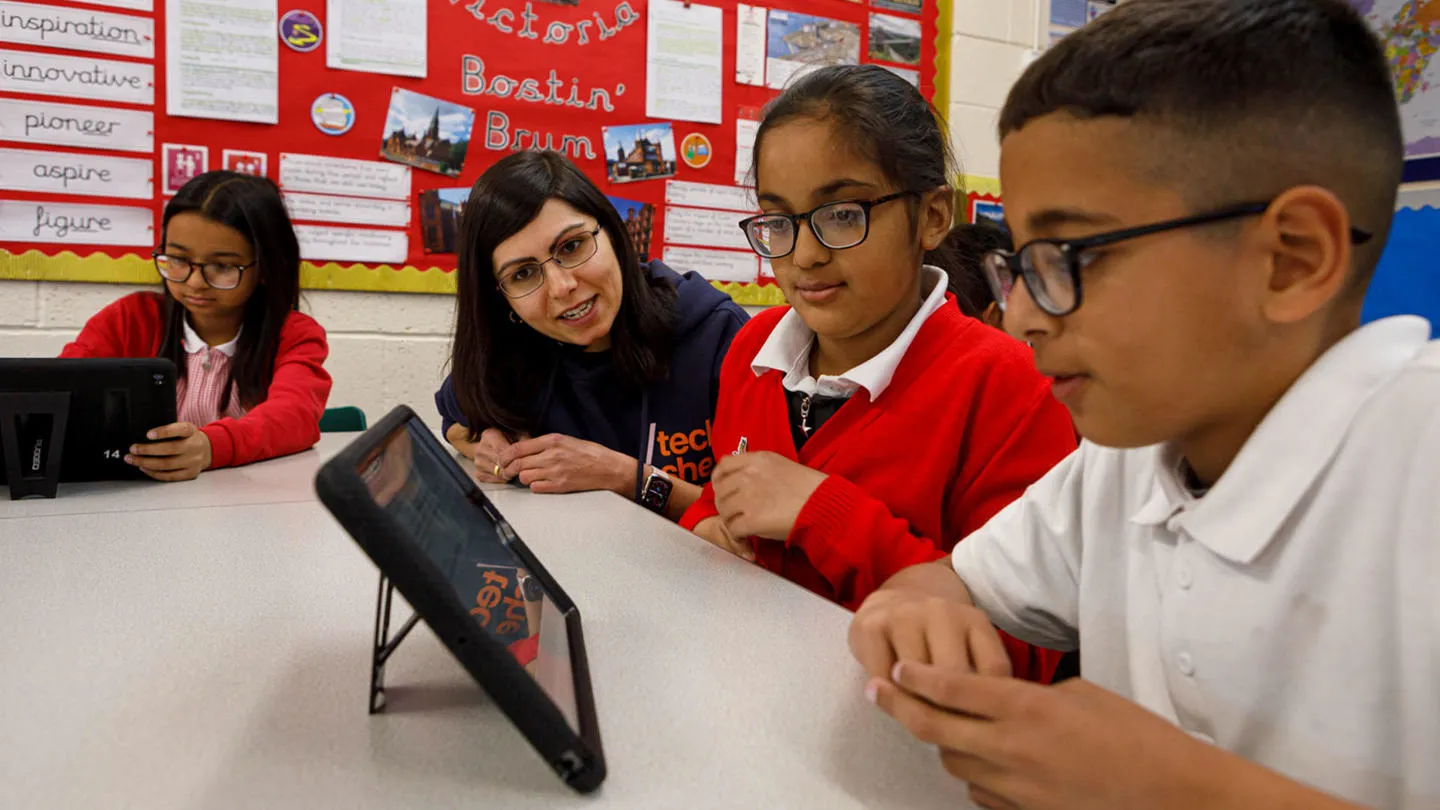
pixel 611 59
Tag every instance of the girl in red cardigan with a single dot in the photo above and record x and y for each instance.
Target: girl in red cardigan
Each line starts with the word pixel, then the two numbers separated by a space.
pixel 251 380
pixel 872 425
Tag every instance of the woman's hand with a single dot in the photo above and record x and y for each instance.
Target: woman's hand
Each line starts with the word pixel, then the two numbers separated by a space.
pixel 557 463
pixel 176 452
pixel 487 453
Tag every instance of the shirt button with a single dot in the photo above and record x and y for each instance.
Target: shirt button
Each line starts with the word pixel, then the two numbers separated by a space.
pixel 1185 664
pixel 1184 577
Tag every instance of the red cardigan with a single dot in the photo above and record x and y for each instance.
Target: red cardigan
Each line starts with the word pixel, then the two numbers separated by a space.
pixel 288 421
pixel 964 427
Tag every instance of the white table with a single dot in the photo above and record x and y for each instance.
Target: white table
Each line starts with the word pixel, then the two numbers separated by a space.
pixel 175 655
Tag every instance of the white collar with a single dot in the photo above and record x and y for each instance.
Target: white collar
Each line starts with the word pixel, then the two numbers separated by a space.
pixel 1293 445
pixel 194 344
pixel 787 350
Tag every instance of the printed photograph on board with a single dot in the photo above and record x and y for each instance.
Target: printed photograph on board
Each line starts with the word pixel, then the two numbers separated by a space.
pixel 907 6
pixel 440 210
pixel 894 39
pixel 427 133
pixel 797 42
pixel 639 152
pixel 639 219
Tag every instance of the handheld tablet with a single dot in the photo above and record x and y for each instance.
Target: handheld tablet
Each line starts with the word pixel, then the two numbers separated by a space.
pixel 398 492
pixel 74 419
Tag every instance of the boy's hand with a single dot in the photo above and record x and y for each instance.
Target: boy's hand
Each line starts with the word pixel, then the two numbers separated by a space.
pixel 713 531
pixel 905 625
pixel 1067 747
pixel 175 452
pixel 762 494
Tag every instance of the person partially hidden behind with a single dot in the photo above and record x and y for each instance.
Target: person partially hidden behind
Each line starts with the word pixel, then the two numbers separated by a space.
pixel 1248 542
pixel 575 367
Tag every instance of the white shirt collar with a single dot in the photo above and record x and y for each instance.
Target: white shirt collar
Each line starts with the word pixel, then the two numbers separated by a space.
pixel 194 344
pixel 1295 442
pixel 787 350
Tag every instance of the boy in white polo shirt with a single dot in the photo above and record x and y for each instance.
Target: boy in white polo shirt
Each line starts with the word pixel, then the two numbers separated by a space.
pixel 1248 544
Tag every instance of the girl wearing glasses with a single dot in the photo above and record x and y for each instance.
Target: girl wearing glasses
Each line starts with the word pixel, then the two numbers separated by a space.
pixel 251 381
pixel 873 425
pixel 576 367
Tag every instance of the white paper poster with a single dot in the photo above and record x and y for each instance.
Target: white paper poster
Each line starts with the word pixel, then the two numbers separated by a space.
pixel 349 210
pixel 697 226
pixel 70 173
pixel 709 195
pixel 745 130
pixel 321 243
pixel 750 45
pixel 133 5
pixel 72 223
pixel 682 61
pixel 350 178
pixel 77 77
pixel 714 265
pixel 53 124
pixel 376 36
pixel 222 60
pixel 77 29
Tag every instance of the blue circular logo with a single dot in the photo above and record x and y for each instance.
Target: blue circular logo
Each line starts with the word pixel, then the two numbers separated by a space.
pixel 301 30
pixel 332 114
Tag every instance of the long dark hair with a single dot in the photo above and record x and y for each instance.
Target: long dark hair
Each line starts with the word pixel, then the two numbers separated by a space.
pixel 500 368
pixel 879 115
pixel 252 206
pixel 962 257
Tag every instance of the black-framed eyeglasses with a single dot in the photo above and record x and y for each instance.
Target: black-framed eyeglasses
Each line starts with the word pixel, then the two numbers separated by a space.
pixel 572 252
pixel 218 275
pixel 1051 267
pixel 838 225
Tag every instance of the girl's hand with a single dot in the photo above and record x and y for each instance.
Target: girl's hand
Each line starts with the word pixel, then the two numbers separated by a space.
pixel 761 494
pixel 488 467
pixel 713 531
pixel 175 452
pixel 558 463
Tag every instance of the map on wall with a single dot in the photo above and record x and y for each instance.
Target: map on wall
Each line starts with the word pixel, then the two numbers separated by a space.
pixel 1411 31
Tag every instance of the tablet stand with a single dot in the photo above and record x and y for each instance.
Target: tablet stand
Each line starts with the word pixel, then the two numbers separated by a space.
pixel 384 644
pixel 32 432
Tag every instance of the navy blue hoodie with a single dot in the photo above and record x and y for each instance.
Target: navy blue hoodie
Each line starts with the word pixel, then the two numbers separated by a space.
pixel 588 401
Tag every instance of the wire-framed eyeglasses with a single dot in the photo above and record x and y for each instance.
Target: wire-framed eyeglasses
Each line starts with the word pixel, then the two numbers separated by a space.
pixel 838 225
pixel 1051 267
pixel 572 252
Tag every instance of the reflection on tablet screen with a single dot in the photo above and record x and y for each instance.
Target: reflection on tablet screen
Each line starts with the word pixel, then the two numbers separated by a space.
pixel 413 484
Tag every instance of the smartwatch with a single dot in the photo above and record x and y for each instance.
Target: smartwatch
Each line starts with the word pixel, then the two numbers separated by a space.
pixel 655 495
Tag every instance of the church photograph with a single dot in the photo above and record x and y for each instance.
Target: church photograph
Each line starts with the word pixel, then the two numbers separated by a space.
pixel 427 133
pixel 639 152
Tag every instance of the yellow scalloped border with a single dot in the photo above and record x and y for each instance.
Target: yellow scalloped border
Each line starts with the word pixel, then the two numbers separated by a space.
pixel 32 265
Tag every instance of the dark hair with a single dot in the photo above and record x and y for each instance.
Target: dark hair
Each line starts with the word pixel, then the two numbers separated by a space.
pixel 1246 98
pixel 962 256
pixel 252 206
pixel 500 368
pixel 881 116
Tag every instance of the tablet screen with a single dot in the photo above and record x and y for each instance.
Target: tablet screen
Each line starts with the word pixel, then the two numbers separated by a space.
pixel 409 478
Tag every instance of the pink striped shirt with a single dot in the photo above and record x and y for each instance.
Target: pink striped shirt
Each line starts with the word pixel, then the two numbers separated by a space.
pixel 207 368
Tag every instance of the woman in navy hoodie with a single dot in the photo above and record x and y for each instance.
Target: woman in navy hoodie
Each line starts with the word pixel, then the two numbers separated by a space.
pixel 575 367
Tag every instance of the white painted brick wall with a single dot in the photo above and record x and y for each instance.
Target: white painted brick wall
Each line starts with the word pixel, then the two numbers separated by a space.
pixel 386 349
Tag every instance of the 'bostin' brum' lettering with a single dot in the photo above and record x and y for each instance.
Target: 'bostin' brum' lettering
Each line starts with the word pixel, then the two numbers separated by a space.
pixel 95 76
pixel 498 137
pixel 63 226
pixel 528 90
pixel 90 29
pixel 556 33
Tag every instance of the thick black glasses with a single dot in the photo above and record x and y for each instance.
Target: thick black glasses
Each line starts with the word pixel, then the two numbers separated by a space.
pixel 1051 267
pixel 838 225
pixel 572 252
pixel 219 276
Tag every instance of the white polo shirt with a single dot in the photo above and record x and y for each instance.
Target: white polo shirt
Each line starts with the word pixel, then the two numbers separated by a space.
pixel 787 350
pixel 1292 614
